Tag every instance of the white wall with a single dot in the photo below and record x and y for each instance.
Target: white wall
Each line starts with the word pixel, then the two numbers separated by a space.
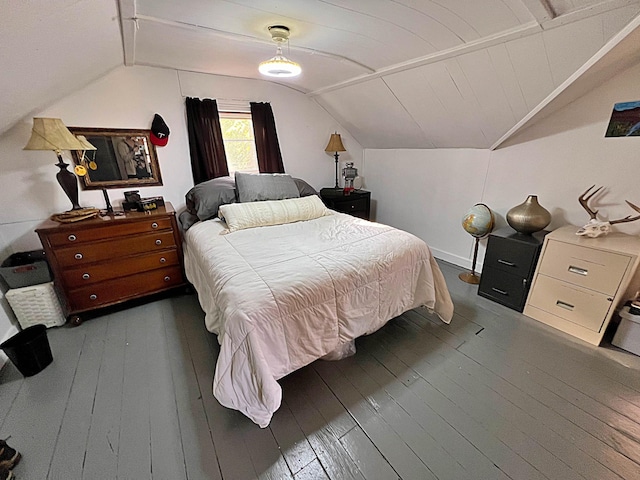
pixel 128 97
pixel 427 192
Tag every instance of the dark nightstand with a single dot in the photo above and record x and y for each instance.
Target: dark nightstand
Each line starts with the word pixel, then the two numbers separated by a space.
pixel 508 267
pixel 357 203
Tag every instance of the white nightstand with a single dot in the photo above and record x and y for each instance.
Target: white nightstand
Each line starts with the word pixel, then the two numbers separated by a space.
pixel 580 281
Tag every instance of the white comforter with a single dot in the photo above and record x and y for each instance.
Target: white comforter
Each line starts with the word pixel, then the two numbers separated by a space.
pixel 279 297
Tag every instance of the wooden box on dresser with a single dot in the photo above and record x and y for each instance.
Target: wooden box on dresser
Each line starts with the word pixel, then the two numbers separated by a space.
pixel 111 259
pixel 580 282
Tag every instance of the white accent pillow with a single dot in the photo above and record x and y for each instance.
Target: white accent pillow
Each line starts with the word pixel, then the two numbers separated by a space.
pixel 239 216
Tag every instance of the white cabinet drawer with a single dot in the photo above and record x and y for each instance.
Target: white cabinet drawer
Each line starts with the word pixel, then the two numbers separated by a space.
pixel 575 304
pixel 586 267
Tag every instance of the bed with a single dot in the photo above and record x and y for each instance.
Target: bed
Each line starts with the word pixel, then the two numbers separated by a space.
pixel 281 296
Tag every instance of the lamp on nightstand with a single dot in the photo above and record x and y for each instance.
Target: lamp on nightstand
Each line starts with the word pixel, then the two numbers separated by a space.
pixel 335 145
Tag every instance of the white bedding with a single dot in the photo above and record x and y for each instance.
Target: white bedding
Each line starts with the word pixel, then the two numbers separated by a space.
pixel 279 297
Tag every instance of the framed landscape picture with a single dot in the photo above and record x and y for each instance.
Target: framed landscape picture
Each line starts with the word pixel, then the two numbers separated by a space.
pixel 625 120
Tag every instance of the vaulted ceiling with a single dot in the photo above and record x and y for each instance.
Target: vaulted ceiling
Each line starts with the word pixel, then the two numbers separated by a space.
pixel 395 73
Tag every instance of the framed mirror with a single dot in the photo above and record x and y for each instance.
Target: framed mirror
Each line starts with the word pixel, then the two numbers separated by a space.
pixel 123 158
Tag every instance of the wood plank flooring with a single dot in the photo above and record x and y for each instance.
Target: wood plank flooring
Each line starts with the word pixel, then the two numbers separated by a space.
pixel 494 395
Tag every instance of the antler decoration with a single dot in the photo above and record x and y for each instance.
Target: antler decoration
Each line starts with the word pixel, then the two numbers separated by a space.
pixel 584 199
pixel 596 227
pixel 628 218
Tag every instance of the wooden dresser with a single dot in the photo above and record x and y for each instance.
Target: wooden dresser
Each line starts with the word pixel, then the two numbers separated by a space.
pixel 111 259
pixel 579 282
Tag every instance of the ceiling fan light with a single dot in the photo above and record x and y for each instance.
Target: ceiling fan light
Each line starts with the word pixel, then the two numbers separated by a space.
pixel 279 66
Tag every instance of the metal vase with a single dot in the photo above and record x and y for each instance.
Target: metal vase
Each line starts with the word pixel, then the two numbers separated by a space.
pixel 529 216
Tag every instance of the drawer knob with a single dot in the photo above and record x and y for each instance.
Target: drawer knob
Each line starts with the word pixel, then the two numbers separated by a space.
pixel 504 262
pixel 78 256
pixel 163 260
pixel 167 278
pixel 154 225
pixel 86 276
pixel 93 296
pixel 501 292
pixel 352 207
pixel 158 242
pixel 72 238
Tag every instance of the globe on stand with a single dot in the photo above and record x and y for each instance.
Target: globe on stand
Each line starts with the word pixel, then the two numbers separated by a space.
pixel 477 222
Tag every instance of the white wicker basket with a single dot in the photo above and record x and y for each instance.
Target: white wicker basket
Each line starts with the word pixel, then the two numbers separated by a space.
pixel 36 304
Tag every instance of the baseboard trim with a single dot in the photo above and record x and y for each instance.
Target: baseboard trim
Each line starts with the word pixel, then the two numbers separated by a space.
pixel 455 259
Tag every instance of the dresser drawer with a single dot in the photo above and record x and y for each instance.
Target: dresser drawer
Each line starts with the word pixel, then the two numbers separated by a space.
pixel 99 272
pixel 510 256
pixel 114 249
pixel 357 203
pixel 586 267
pixel 351 206
pixel 570 302
pixel 118 290
pixel 75 236
pixel 505 288
pixel 363 214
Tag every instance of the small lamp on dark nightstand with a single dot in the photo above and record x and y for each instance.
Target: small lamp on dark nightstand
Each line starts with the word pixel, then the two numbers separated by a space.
pixel 335 145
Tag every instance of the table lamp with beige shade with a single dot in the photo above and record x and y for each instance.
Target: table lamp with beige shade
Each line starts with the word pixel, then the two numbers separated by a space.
pixel 335 146
pixel 52 134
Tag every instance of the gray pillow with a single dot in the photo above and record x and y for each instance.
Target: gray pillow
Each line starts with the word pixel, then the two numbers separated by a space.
pixel 187 219
pixel 304 188
pixel 204 199
pixel 252 187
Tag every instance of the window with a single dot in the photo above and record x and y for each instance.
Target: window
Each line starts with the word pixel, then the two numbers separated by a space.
pixel 239 143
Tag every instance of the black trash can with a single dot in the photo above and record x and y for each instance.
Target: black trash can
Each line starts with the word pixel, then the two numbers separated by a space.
pixel 29 350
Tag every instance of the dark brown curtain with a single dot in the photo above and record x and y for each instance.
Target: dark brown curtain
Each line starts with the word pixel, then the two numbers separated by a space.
pixel 208 159
pixel 267 146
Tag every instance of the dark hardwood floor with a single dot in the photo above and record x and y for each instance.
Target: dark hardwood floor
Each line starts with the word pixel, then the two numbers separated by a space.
pixel 494 395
